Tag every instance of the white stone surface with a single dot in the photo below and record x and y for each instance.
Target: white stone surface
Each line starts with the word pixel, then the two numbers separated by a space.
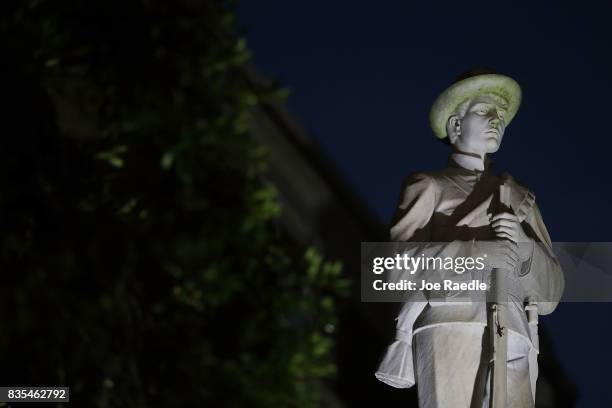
pixel 441 348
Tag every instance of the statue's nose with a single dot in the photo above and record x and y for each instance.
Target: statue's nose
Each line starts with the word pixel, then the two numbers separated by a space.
pixel 494 121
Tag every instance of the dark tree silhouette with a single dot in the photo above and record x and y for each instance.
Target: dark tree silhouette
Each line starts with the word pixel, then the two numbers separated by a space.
pixel 142 263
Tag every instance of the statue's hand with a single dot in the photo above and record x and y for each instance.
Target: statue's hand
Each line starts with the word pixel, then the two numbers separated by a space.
pixel 507 226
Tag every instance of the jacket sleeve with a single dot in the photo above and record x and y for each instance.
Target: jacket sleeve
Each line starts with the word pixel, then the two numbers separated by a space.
pixel 410 223
pixel 416 206
pixel 543 279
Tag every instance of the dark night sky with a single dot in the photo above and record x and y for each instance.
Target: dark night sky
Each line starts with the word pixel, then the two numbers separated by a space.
pixel 362 77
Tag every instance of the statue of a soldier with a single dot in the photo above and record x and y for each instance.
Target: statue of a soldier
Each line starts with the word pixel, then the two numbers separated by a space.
pixel 444 348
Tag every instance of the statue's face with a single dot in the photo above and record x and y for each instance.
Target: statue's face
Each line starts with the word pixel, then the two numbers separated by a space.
pixel 482 127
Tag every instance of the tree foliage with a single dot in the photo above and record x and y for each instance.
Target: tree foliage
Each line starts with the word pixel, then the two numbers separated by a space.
pixel 143 264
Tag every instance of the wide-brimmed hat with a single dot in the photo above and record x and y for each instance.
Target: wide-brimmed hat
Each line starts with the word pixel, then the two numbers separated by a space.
pixel 469 85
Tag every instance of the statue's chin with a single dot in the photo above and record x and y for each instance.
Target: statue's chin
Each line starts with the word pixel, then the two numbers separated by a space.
pixel 492 146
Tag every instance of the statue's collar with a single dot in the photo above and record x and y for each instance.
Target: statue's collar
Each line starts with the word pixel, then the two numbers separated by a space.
pixel 469 162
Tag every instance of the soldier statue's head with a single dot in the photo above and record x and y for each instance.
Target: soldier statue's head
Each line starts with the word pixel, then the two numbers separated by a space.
pixel 472 114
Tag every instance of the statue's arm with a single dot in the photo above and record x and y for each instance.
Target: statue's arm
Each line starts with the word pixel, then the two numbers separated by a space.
pixel 417 202
pixel 543 278
pixel 412 223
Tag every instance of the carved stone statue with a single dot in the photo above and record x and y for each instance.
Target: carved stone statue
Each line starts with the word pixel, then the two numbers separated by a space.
pixel 445 349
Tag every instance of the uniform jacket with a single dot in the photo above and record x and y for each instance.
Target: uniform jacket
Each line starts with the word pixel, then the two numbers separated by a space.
pixel 453 205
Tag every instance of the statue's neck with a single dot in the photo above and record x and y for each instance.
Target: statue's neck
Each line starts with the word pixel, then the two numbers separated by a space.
pixel 469 161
